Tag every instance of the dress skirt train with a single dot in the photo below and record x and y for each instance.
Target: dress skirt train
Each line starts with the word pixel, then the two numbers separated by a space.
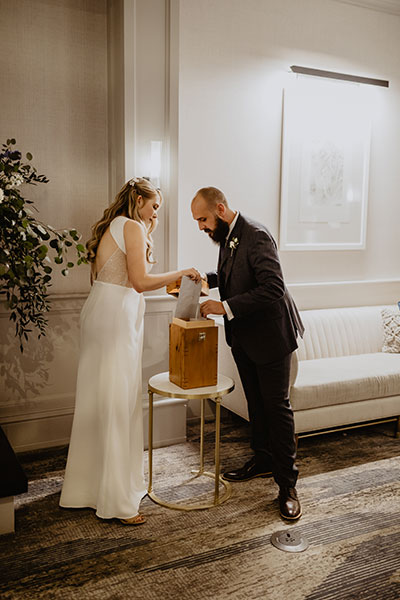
pixel 105 459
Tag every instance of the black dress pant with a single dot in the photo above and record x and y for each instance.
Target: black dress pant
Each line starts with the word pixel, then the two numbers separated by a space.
pixel 266 387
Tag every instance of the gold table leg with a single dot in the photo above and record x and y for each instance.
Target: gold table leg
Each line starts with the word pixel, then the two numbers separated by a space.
pixel 217 442
pixel 218 499
pixel 150 488
pixel 201 471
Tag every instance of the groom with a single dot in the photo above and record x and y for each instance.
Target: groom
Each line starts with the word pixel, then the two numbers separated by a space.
pixel 261 327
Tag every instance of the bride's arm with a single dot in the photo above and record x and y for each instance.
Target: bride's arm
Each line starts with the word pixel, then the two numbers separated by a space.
pixel 135 243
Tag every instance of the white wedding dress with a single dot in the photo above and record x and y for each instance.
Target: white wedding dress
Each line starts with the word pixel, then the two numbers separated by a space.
pixel 105 459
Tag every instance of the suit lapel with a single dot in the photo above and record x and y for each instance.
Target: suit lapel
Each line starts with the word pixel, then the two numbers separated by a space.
pixel 231 252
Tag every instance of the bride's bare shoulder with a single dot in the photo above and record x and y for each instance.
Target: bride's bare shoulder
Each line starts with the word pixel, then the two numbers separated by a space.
pixel 133 230
pixel 133 226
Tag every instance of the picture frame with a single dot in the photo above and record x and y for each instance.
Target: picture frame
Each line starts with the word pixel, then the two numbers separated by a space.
pixel 325 167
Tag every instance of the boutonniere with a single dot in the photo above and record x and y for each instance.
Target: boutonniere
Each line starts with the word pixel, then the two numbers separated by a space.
pixel 233 244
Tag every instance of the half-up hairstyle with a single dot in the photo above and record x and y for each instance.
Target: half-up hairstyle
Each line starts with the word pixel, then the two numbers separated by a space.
pixel 126 204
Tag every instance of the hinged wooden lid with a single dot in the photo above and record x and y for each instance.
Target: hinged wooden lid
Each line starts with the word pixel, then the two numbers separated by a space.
pixel 174 287
pixel 193 323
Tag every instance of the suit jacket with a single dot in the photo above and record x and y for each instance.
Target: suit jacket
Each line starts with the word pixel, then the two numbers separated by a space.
pixel 266 321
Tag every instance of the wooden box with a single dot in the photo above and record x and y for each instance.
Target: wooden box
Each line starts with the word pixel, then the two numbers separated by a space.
pixel 193 353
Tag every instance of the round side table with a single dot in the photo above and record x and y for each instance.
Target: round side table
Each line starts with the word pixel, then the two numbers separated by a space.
pixel 160 384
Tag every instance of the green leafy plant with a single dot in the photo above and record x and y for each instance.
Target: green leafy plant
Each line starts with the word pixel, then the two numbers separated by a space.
pixel 28 247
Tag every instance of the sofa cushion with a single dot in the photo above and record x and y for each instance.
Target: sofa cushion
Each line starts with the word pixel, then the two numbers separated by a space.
pixel 331 332
pixel 342 379
pixel 391 329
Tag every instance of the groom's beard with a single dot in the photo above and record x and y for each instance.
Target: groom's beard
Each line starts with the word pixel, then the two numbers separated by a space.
pixel 220 231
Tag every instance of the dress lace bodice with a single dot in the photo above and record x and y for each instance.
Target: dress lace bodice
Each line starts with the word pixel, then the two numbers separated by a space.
pixel 115 270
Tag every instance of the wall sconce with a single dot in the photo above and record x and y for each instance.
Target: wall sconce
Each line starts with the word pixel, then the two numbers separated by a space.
pixel 155 162
pixel 341 76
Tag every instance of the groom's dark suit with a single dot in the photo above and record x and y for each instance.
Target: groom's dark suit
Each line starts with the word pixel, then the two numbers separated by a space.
pixel 262 336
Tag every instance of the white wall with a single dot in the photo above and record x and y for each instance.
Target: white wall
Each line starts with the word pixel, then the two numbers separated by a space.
pixel 234 61
pixel 53 56
pixel 82 116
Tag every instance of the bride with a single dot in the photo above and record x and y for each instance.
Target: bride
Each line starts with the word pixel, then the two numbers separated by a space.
pixel 105 458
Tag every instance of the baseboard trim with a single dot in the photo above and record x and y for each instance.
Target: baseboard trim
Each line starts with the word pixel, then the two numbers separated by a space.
pixel 50 428
pixel 42 445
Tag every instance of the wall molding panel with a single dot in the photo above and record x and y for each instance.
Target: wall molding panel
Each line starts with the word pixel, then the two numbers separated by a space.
pixel 38 388
pixel 338 294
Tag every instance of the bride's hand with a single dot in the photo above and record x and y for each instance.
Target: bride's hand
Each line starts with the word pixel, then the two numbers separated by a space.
pixel 192 273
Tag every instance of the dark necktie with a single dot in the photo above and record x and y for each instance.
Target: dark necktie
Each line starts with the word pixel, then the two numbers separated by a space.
pixel 224 250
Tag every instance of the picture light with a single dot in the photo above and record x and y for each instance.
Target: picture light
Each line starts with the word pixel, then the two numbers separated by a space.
pixel 342 76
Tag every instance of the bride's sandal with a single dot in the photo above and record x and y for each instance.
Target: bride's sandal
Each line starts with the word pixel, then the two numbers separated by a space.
pixel 137 520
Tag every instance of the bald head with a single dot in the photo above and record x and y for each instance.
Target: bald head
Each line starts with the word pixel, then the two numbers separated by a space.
pixel 212 213
pixel 212 197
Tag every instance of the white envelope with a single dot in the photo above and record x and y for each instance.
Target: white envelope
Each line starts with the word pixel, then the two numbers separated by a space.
pixel 188 299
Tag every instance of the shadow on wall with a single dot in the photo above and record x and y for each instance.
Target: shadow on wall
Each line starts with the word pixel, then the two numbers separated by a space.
pixel 26 374
pixel 47 365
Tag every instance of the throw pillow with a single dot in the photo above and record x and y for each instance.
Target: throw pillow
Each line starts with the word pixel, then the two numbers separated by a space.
pixel 391 329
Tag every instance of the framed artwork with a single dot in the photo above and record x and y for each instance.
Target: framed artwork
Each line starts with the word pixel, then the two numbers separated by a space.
pixel 325 162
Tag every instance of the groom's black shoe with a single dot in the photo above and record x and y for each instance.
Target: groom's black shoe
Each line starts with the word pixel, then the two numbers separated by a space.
pixel 289 505
pixel 248 471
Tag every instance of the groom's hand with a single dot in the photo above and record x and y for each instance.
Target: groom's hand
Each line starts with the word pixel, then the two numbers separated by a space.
pixel 212 307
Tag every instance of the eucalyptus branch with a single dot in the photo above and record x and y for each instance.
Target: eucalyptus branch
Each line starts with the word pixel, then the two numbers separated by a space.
pixel 25 261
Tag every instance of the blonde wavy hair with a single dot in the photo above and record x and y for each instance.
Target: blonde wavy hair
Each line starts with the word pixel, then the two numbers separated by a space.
pixel 126 204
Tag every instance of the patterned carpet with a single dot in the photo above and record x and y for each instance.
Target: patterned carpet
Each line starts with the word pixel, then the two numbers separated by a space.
pixel 350 492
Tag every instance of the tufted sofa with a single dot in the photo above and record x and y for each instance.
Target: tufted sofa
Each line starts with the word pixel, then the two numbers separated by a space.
pixel 340 376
